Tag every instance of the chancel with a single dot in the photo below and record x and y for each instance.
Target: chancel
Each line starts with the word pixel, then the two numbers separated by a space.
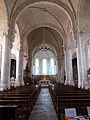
pixel 44 59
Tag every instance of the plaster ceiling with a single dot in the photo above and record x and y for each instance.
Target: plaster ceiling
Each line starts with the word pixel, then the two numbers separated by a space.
pixel 54 15
pixel 14 4
pixel 37 12
pixel 84 13
pixel 50 36
pixel 43 13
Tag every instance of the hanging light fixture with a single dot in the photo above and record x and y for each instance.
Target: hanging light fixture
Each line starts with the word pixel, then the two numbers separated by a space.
pixel 43 46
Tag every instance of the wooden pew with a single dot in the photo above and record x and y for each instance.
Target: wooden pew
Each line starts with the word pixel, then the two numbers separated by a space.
pixel 19 97
pixel 69 97
pixel 24 97
pixel 71 103
pixel 23 110
pixel 8 112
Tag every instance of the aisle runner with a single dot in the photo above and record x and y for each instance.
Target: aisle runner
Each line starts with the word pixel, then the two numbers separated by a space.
pixel 43 109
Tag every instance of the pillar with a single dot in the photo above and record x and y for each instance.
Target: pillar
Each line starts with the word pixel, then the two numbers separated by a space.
pixel 59 67
pixel 30 65
pixel 82 67
pixel 19 68
pixel 6 62
pixel 62 70
pixel 68 68
pixel 80 37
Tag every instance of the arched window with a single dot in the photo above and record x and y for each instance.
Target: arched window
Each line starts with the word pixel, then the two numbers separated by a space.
pixel 44 62
pixel 52 66
pixel 37 66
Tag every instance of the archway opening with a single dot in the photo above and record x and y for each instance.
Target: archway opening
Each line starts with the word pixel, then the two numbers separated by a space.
pixel 44 63
pixel 88 59
pixel 13 68
pixel 75 71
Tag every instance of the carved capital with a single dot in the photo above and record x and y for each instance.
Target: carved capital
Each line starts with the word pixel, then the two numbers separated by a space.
pixel 64 48
pixel 11 45
pixel 5 31
pixel 82 30
pixel 11 34
pixel 75 36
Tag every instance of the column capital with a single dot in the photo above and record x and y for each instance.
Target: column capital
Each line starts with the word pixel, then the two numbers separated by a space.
pixel 19 47
pixel 9 33
pixel 83 30
pixel 75 36
pixel 64 49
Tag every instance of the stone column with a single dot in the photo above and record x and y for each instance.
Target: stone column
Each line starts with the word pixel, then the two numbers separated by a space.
pixel 68 67
pixel 62 70
pixel 80 37
pixel 30 66
pixel 82 67
pixel 6 62
pixel 59 67
pixel 19 68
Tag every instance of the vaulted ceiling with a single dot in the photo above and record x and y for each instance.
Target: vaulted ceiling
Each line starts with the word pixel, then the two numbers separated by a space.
pixel 58 17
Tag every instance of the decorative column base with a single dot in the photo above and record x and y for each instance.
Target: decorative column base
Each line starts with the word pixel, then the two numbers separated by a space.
pixel 2 86
pixel 22 83
pixel 17 84
pixel 71 83
pixel 9 85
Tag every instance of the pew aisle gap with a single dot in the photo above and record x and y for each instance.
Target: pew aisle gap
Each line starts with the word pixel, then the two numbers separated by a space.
pixel 43 109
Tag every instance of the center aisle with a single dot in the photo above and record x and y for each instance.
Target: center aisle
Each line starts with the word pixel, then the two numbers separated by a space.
pixel 43 109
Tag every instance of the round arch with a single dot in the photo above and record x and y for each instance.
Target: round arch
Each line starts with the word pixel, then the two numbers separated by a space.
pixel 83 16
pixel 59 4
pixel 3 16
pixel 56 28
pixel 13 56
pixel 51 48
pixel 42 52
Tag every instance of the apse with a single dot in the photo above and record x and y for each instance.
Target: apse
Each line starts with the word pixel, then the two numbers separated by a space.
pixel 44 61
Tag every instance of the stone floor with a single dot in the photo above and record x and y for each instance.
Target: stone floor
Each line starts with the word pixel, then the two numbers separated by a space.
pixel 43 109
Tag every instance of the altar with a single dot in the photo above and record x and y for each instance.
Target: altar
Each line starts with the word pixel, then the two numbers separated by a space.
pixel 44 83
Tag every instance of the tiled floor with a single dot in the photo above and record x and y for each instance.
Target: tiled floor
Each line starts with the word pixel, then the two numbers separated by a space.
pixel 43 109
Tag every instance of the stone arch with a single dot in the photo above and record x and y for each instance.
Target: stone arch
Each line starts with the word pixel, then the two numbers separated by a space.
pixel 75 68
pixel 3 16
pixel 83 12
pixel 17 32
pixel 36 49
pixel 40 54
pixel 16 43
pixel 13 56
pixel 61 5
pixel 74 55
pixel 78 11
pixel 56 28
